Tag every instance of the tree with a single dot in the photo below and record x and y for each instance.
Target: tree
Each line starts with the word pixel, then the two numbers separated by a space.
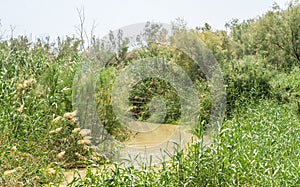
pixel 273 36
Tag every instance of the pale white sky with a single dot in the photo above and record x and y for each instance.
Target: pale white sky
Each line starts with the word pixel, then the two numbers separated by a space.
pixel 59 17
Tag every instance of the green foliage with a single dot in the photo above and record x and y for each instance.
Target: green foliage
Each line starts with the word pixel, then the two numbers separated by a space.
pixel 143 93
pixel 204 95
pixel 104 107
pixel 220 44
pixel 257 147
pixel 35 87
pixel 273 36
pixel 286 86
pixel 247 79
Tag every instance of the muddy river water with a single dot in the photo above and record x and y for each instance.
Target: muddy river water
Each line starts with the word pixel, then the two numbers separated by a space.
pixel 148 143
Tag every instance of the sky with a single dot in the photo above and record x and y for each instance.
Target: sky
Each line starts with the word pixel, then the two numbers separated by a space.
pixel 40 18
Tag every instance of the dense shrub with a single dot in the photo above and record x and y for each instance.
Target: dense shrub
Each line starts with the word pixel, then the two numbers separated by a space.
pixel 37 133
pixel 257 146
pixel 149 90
pixel 247 79
pixel 143 93
pixel 104 106
pixel 286 86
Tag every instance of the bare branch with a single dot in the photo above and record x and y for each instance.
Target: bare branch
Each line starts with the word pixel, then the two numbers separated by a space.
pixel 85 36
pixel 80 27
pixel 12 29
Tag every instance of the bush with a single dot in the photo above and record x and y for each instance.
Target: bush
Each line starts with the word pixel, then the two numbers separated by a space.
pixel 286 86
pixel 247 79
pixel 257 147
pixel 151 95
pixel 104 107
pixel 35 92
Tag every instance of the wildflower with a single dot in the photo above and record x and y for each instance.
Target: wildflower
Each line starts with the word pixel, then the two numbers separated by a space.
pixel 9 172
pixel 70 115
pixel 20 184
pixel 14 148
pixel 25 84
pixel 80 142
pixel 86 147
pixel 55 120
pixel 84 132
pixel 28 82
pixel 95 159
pixel 73 121
pixel 36 178
pixel 61 155
pixel 95 154
pixel 55 130
pixel 72 138
pixel 50 171
pixel 20 87
pixel 76 130
pixel 20 109
pixel 83 142
pixel 80 156
pixel 64 140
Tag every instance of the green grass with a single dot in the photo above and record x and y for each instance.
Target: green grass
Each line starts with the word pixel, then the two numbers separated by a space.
pixel 35 88
pixel 258 143
pixel 259 146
